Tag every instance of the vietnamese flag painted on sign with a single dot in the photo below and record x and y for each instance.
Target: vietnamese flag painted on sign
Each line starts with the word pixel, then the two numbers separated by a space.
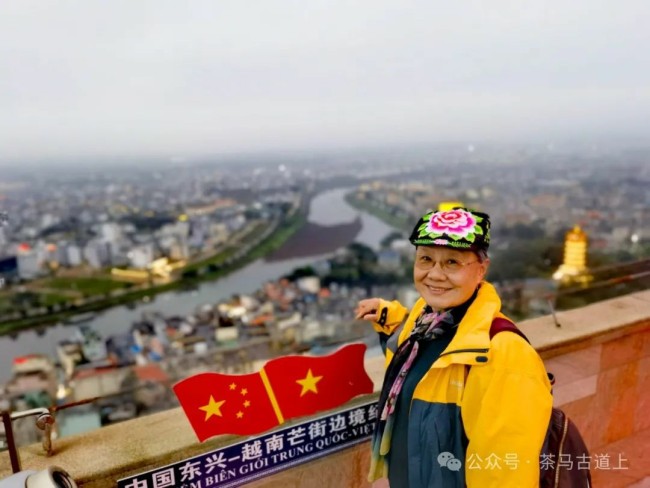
pixel 286 387
pixel 304 385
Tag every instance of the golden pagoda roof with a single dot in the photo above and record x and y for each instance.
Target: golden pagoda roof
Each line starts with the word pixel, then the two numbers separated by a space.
pixel 576 234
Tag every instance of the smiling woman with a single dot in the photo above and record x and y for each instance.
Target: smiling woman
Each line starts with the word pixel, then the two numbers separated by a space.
pixel 450 392
pixel 447 278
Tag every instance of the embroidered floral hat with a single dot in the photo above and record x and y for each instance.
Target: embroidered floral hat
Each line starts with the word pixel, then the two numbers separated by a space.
pixel 460 228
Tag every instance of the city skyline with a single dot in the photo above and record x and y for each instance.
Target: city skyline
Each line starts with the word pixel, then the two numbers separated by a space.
pixel 170 82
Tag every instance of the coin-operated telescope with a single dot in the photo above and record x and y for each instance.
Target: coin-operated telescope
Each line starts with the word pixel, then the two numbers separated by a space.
pixel 52 477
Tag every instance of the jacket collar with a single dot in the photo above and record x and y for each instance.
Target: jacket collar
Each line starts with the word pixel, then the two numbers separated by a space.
pixel 471 343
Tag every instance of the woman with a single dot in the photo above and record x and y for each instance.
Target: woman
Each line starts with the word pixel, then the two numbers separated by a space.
pixel 456 408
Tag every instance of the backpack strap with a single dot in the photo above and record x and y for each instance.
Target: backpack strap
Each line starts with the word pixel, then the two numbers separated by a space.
pixel 504 325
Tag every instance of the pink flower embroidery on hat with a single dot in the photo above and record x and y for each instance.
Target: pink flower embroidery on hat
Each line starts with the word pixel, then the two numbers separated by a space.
pixel 457 228
pixel 458 223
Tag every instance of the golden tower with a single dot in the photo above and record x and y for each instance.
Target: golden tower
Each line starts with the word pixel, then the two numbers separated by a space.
pixel 574 267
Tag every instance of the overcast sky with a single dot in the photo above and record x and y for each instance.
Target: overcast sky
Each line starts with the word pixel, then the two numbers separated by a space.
pixel 185 78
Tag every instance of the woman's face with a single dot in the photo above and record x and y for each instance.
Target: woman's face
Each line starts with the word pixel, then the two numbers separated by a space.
pixel 445 277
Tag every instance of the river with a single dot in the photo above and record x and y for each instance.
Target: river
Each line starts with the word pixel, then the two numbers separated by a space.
pixel 327 208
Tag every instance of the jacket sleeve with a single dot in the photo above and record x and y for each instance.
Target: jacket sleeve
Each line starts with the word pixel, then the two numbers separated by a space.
pixel 391 315
pixel 506 410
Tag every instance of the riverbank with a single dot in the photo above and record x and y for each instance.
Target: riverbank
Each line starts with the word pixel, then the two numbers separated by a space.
pixel 213 272
pixel 384 216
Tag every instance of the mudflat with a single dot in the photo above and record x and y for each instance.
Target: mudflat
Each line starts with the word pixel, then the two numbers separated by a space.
pixel 314 240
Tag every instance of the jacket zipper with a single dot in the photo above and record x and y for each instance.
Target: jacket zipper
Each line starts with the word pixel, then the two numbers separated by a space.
pixel 565 428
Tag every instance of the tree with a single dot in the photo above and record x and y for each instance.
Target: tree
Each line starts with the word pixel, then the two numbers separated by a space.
pixel 524 259
pixel 363 252
pixel 301 273
pixel 388 240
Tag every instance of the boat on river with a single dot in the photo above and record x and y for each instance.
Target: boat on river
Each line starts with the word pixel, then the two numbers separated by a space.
pixel 81 318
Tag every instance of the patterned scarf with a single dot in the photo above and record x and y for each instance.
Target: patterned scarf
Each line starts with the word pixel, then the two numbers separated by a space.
pixel 429 326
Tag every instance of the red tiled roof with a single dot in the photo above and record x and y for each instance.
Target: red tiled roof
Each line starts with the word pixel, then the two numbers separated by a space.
pixel 151 372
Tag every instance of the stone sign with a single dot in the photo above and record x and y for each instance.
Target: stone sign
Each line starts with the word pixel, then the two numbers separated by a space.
pixel 264 455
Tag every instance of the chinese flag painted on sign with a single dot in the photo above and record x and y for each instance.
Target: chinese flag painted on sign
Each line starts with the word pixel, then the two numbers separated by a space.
pixel 287 387
pixel 226 404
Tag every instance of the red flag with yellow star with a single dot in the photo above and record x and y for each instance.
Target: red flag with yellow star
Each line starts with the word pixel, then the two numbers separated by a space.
pixel 304 385
pixel 286 387
pixel 226 404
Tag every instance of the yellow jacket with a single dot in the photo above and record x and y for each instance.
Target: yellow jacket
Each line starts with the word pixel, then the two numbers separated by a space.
pixel 486 403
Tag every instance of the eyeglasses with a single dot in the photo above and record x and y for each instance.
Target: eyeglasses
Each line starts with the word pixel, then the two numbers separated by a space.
pixel 447 266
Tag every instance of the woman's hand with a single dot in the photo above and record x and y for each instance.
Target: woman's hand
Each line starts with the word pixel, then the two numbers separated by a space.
pixel 367 310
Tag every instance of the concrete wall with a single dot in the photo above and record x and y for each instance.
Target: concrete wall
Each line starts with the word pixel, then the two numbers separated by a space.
pixel 347 468
pixel 605 388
